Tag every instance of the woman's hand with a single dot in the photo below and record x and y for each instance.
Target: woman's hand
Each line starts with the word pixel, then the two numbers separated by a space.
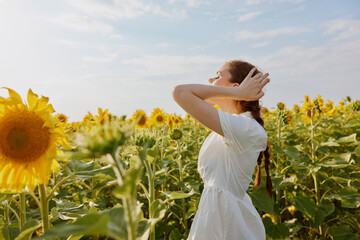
pixel 251 88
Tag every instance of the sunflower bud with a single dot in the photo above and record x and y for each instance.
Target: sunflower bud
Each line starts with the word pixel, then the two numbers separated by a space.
pixel 281 106
pixel 101 139
pixel 356 105
pixel 176 134
pixel 145 141
pixel 296 108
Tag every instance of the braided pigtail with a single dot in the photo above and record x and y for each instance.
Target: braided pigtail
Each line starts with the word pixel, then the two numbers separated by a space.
pixel 254 108
pixel 268 178
pixel 258 174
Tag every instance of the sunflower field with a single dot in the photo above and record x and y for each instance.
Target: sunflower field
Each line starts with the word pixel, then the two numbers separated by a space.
pixel 120 177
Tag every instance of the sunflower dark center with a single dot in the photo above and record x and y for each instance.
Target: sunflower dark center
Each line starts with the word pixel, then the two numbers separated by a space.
pixel 23 137
pixel 17 138
pixel 62 119
pixel 142 120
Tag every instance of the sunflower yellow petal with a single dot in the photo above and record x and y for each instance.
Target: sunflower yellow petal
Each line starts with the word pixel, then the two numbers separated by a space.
pixel 44 106
pixel 4 173
pixel 32 99
pixel 18 182
pixel 9 178
pixel 14 97
pixel 55 166
pixel 49 123
pixel 30 183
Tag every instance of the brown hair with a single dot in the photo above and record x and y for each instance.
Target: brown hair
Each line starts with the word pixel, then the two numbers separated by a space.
pixel 239 70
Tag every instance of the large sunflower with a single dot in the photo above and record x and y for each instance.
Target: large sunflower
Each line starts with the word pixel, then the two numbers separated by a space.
pixel 28 141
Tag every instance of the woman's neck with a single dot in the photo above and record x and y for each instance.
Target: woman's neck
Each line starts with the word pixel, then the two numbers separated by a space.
pixel 230 106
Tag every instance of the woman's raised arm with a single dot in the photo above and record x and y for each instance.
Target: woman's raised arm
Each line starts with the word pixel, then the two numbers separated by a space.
pixel 191 97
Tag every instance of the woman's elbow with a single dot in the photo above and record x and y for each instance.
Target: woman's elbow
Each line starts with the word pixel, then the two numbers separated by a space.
pixel 177 91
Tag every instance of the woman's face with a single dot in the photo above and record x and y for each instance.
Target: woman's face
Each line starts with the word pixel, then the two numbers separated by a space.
pixel 222 78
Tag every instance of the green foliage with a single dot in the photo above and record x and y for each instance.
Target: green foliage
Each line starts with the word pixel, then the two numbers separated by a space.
pixel 152 174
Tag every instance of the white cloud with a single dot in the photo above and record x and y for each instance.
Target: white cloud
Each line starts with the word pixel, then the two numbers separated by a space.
pixel 67 42
pixel 191 3
pixel 248 16
pixel 107 58
pixel 82 23
pixel 323 62
pixel 214 15
pixel 111 9
pixel 298 9
pixel 330 70
pixel 165 65
pixel 260 44
pixel 117 36
pixel 209 44
pixel 122 9
pixel 99 46
pixel 163 45
pixel 244 35
pixel 256 2
pixel 291 1
pixel 240 10
pixel 176 13
pixel 348 29
pixel 103 46
pixel 126 46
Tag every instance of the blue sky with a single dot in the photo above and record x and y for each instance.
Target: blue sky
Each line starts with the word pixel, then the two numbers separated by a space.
pixel 128 55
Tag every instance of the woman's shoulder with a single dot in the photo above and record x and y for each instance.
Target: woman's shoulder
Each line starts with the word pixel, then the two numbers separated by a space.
pixel 253 127
pixel 243 130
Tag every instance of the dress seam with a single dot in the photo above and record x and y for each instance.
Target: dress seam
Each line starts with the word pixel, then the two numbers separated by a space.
pixel 224 190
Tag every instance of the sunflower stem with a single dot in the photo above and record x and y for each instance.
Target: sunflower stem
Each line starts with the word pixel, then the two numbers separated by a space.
pixel 145 191
pixel 313 156
pixel 44 206
pixel 7 215
pixel 277 162
pixel 35 198
pixel 150 174
pixel 126 202
pixel 278 138
pixel 16 200
pixel 48 197
pixel 131 226
pixel 183 204
pixel 22 210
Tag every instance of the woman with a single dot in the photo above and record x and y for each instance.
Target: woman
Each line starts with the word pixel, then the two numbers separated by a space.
pixel 228 156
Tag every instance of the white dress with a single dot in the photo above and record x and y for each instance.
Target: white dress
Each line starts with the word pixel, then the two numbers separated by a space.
pixel 226 166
